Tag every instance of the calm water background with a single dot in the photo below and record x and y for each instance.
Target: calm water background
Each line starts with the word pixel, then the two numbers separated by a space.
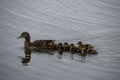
pixel 92 21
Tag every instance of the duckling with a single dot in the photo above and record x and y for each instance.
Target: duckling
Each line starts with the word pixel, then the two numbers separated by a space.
pixel 66 46
pixel 73 48
pixel 60 48
pixel 86 48
pixel 81 47
pixel 80 43
pixel 92 51
pixel 38 44
pixel 86 45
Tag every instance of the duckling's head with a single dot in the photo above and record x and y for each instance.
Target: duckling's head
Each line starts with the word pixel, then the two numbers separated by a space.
pixel 72 48
pixel 79 43
pixel 59 44
pixel 72 45
pixel 66 44
pixel 25 35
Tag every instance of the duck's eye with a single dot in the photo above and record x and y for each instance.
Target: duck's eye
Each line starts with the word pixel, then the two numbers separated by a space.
pixel 23 35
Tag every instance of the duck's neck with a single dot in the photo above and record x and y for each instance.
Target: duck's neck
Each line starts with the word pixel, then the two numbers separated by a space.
pixel 27 42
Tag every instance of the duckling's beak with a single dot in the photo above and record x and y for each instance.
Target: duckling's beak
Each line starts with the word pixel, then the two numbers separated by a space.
pixel 77 44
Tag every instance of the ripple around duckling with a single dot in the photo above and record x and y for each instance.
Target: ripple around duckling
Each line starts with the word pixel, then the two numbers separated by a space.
pixel 96 22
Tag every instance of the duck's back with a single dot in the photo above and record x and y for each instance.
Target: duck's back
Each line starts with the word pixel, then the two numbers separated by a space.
pixel 41 43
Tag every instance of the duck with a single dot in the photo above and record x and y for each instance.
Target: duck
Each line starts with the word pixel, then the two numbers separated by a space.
pixel 35 45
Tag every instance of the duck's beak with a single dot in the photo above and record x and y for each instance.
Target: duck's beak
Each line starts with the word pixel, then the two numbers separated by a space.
pixel 19 37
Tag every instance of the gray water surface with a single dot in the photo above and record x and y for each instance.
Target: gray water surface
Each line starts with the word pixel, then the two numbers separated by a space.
pixel 96 22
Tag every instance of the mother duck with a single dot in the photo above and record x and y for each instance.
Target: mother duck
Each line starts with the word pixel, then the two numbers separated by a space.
pixel 37 44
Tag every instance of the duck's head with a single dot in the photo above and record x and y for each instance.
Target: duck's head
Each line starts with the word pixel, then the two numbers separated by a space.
pixel 25 35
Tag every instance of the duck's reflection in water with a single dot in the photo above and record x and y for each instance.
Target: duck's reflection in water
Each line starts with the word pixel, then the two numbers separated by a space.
pixel 72 55
pixel 26 59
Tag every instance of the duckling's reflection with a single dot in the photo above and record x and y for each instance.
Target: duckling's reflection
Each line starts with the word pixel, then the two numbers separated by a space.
pixel 72 55
pixel 60 50
pixel 82 57
pixel 27 58
pixel 60 53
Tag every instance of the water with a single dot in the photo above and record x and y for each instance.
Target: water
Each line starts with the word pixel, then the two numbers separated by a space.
pixel 92 21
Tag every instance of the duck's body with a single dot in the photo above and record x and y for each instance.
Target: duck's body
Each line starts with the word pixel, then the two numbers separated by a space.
pixel 52 46
pixel 41 44
pixel 38 44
